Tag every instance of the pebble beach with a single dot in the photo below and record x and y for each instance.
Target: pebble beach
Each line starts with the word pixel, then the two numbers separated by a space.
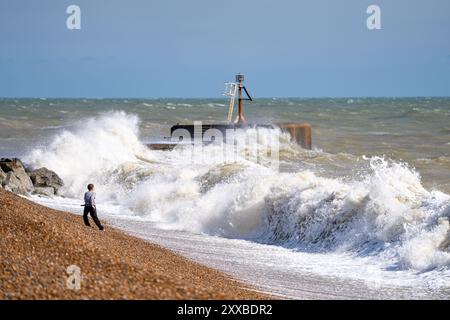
pixel 39 244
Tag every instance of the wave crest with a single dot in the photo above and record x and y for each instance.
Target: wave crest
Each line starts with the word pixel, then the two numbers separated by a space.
pixel 386 212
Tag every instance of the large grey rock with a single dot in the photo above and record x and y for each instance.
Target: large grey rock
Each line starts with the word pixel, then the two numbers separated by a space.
pixel 16 180
pixel 44 178
pixel 44 191
pixel 2 177
pixel 11 164
pixel 14 184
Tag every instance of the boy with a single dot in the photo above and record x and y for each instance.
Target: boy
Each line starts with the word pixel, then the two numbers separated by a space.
pixel 90 207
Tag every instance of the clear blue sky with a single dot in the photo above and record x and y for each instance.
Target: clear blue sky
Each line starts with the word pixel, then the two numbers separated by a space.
pixel 188 48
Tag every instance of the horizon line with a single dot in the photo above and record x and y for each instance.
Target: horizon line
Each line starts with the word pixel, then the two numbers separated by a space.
pixel 218 98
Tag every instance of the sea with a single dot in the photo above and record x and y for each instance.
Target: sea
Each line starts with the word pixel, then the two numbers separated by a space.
pixel 363 215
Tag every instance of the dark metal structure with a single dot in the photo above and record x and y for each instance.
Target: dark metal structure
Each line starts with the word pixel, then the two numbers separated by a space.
pixel 301 133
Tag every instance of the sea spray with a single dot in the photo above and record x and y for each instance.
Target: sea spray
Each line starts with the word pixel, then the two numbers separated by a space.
pixel 385 212
pixel 92 151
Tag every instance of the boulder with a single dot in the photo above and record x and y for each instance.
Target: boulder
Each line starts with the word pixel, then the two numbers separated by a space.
pixel 2 177
pixel 14 184
pixel 44 191
pixel 44 178
pixel 11 164
pixel 16 180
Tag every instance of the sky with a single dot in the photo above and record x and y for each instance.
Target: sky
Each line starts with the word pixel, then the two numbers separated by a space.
pixel 187 49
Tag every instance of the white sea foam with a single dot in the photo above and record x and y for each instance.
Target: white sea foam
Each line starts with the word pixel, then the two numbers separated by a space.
pixel 386 213
pixel 98 147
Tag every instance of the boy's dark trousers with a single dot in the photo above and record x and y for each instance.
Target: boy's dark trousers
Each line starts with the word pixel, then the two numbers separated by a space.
pixel 93 212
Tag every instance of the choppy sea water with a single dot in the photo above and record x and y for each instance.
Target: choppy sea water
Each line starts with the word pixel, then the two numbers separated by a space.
pixel 364 214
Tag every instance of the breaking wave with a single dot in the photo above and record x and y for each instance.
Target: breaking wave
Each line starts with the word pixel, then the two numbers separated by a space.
pixel 385 213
